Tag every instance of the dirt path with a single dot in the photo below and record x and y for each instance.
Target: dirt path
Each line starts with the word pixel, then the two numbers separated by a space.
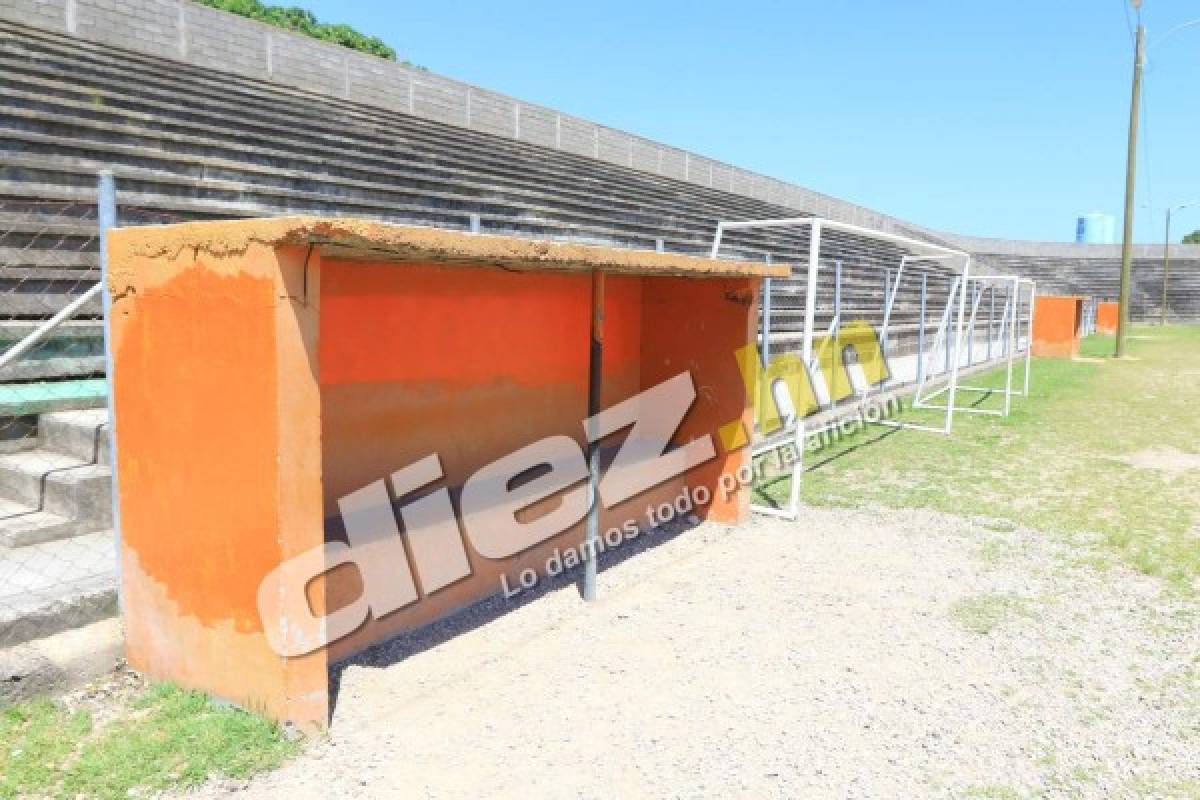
pixel 852 654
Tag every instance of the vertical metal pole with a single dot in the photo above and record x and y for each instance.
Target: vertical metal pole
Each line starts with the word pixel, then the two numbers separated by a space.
pixel 976 298
pixel 716 245
pixel 660 246
pixel 991 320
pixel 835 326
pixel 798 441
pixel 1012 350
pixel 1166 266
pixel 921 333
pixel 764 349
pixel 887 287
pixel 1009 303
pixel 810 298
pixel 810 313
pixel 1135 105
pixel 889 303
pixel 960 283
pixel 1029 335
pixel 473 223
pixel 595 381
pixel 106 212
pixel 962 308
pixel 837 299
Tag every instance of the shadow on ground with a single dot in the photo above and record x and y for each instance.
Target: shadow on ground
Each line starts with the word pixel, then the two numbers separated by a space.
pixel 395 650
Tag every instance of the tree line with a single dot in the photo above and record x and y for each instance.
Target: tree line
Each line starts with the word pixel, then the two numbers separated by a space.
pixel 304 21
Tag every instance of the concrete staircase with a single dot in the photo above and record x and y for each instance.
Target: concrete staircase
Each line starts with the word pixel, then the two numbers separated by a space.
pixel 57 557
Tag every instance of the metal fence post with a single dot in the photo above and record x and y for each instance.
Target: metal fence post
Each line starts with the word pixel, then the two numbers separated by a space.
pixel 1008 299
pixel 946 340
pixel 837 299
pixel 1029 335
pixel 921 331
pixel 965 281
pixel 887 287
pixel 764 351
pixel 595 385
pixel 991 320
pixel 106 212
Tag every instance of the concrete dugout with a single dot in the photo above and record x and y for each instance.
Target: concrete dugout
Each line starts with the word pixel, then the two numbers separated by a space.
pixel 267 369
pixel 1106 317
pixel 1057 325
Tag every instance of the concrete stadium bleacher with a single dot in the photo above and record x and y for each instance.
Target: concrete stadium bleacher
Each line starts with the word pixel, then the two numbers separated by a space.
pixel 189 144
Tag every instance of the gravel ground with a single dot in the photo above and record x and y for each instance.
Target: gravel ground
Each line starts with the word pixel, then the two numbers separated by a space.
pixel 851 654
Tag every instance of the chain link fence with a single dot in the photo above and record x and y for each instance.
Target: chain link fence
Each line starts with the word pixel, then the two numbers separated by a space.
pixel 57 556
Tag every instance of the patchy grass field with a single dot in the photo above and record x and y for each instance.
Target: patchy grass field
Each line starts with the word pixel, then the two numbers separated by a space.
pixel 1099 452
pixel 157 738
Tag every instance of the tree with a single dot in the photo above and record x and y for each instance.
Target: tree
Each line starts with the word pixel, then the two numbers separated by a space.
pixel 1192 238
pixel 305 22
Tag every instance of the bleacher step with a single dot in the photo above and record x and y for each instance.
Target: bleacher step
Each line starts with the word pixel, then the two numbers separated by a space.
pixel 55 586
pixel 59 483
pixel 22 526
pixel 82 434
pixel 23 399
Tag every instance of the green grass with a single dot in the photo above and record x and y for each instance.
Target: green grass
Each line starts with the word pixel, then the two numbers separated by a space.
pixel 165 738
pixel 986 612
pixel 1054 463
pixel 992 792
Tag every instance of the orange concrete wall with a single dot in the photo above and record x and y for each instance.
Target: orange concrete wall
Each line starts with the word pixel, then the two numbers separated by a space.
pixel 1057 325
pixel 1106 317
pixel 698 326
pixel 217 418
pixel 473 364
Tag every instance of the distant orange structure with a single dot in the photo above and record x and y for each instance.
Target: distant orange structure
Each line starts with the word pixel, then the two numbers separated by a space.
pixel 264 369
pixel 1057 325
pixel 1107 315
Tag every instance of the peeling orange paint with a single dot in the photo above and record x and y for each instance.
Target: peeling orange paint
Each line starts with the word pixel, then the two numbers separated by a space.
pixel 200 347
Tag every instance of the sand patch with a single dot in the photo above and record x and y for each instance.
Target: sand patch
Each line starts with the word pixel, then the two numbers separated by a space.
pixel 1165 459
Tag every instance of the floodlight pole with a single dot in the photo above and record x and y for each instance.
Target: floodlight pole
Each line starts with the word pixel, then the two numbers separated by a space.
pixel 1130 187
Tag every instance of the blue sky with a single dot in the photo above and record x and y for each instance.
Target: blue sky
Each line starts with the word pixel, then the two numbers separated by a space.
pixel 987 118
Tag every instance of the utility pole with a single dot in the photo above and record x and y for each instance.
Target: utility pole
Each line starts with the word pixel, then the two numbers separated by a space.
pixel 1130 185
pixel 1167 254
pixel 1166 265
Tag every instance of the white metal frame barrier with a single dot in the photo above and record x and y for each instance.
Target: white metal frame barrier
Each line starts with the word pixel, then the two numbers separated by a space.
pixel 795 431
pixel 1032 284
pixel 1009 320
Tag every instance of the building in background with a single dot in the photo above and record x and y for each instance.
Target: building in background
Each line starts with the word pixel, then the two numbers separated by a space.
pixel 1096 228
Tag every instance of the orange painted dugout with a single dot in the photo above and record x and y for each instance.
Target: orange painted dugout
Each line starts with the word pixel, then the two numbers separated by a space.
pixel 266 368
pixel 1057 326
pixel 1107 315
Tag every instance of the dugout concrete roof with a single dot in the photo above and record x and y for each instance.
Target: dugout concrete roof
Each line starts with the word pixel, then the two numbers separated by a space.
pixel 360 239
